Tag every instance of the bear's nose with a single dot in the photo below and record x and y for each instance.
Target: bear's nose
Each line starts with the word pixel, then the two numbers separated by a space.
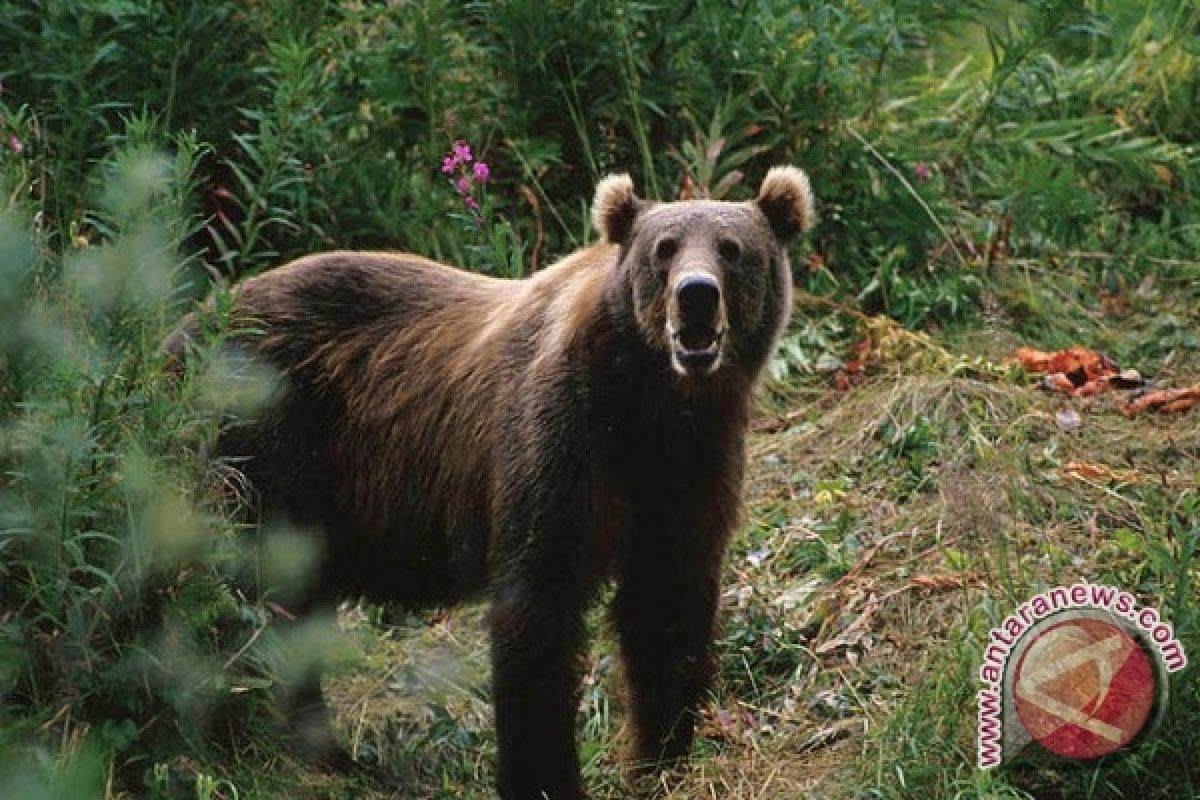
pixel 698 297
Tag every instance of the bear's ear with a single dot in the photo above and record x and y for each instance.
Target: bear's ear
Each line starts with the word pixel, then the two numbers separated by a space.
pixel 615 208
pixel 786 200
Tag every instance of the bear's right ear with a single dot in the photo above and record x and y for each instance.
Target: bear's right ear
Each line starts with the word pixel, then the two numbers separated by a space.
pixel 615 208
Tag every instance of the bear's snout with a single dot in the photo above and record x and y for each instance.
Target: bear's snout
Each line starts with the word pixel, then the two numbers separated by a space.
pixel 696 324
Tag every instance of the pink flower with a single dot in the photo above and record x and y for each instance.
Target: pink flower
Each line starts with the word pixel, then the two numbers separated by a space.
pixel 16 145
pixel 922 171
pixel 464 177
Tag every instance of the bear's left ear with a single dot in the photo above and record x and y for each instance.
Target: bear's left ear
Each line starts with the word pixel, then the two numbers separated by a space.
pixel 786 200
pixel 615 208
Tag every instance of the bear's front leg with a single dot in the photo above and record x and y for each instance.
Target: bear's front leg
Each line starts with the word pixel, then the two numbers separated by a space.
pixel 537 637
pixel 664 612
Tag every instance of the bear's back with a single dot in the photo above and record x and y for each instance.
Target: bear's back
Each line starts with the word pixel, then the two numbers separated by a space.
pixel 379 423
pixel 397 374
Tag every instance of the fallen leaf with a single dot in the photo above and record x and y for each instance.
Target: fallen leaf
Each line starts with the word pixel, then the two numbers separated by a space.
pixel 861 352
pixel 1071 360
pixel 1100 473
pixel 853 633
pixel 1180 405
pixel 1076 371
pixel 832 734
pixel 943 582
pixel 1169 400
pixel 779 423
pixel 1092 387
pixel 1164 174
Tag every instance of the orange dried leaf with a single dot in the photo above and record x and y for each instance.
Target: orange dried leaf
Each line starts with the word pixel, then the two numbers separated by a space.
pixel 1084 469
pixel 860 352
pixel 1181 405
pixel 1032 359
pixel 940 583
pixel 1092 387
pixel 1072 359
pixel 1100 473
pixel 1170 400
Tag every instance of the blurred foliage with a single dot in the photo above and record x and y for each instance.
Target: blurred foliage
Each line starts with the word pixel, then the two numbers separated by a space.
pixel 151 149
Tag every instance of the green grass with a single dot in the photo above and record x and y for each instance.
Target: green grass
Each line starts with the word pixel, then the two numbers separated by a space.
pixel 990 175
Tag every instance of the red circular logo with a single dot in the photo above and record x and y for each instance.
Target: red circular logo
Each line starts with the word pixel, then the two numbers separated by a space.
pixel 1083 688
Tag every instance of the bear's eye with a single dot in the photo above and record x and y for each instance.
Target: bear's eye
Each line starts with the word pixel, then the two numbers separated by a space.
pixel 665 249
pixel 729 250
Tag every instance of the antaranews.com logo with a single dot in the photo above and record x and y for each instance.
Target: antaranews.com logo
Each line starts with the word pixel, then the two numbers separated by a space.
pixel 1079 671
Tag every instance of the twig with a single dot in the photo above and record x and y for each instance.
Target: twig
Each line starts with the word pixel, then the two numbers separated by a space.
pixel 870 148
pixel 531 198
pixel 249 643
pixel 862 562
pixel 801 297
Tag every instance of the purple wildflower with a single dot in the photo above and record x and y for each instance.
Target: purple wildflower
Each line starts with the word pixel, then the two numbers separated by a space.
pixel 922 171
pixel 462 152
pixel 16 145
pixel 466 178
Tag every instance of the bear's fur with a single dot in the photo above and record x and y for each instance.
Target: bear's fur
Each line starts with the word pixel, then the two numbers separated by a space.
pixel 450 434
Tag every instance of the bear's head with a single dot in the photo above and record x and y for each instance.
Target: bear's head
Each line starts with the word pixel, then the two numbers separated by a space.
pixel 708 282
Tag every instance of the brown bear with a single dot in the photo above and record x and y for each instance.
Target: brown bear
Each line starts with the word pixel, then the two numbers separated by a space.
pixel 447 434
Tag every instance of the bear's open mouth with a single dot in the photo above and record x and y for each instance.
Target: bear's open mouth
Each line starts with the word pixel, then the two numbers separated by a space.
pixel 697 347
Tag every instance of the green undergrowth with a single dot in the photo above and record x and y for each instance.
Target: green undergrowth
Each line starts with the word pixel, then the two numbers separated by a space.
pixel 989 175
